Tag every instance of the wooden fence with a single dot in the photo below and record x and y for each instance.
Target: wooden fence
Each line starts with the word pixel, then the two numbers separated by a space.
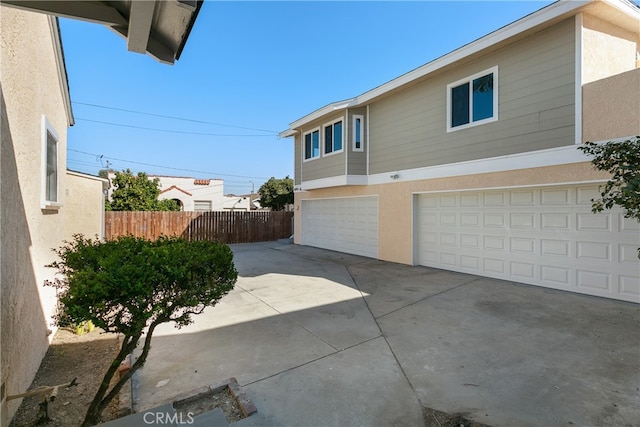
pixel 227 227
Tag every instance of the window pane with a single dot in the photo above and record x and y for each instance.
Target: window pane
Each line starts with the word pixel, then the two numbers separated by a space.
pixel 307 146
pixel 483 97
pixel 52 169
pixel 460 105
pixel 358 132
pixel 315 136
pixel 328 139
pixel 337 136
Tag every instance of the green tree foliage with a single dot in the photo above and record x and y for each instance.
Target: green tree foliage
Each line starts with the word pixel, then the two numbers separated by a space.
pixel 276 193
pixel 137 193
pixel 622 160
pixel 131 285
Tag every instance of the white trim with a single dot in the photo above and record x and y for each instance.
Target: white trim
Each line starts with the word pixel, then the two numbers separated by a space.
pixel 304 145
pixel 353 147
pixel 62 70
pixel 493 70
pixel 333 181
pixel 549 157
pixel 46 130
pixel 578 78
pixel 360 196
pixel 87 176
pixel 512 187
pixel 332 123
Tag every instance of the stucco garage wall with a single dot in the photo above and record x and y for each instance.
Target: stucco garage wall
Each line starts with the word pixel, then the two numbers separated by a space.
pixel 31 88
pixel 84 205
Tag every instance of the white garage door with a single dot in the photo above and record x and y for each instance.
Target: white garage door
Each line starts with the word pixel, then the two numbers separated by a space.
pixel 541 236
pixel 346 225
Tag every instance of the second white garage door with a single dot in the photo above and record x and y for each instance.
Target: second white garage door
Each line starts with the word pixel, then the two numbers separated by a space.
pixel 344 224
pixel 541 236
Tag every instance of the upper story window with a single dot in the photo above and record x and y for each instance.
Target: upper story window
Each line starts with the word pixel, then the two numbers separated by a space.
pixel 473 100
pixel 358 133
pixel 312 144
pixel 50 172
pixel 333 137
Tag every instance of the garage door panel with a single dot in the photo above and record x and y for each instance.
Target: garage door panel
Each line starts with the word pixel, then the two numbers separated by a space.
pixel 542 236
pixel 346 224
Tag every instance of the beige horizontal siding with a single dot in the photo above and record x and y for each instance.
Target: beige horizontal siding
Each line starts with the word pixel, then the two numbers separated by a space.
pixel 297 155
pixel 536 108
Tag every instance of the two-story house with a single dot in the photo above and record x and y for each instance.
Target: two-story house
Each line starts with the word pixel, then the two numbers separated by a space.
pixel 470 162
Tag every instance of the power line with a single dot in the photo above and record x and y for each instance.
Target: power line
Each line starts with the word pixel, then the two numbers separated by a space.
pixel 166 167
pixel 167 130
pixel 172 117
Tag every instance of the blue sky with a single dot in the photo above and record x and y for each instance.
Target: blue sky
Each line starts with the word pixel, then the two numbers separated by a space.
pixel 247 71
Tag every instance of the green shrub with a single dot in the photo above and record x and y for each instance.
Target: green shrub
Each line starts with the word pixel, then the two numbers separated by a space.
pixel 130 285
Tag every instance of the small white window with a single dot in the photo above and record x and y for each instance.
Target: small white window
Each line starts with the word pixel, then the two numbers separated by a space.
pixel 473 100
pixel 311 144
pixel 202 205
pixel 333 137
pixel 358 133
pixel 50 167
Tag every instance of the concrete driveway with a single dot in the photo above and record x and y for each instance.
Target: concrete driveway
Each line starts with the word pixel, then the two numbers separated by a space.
pixel 319 338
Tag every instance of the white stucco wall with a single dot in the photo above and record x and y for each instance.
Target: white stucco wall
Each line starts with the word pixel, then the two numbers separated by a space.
pixel 30 78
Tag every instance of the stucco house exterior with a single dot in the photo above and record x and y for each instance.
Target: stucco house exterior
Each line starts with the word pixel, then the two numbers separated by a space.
pixel 192 194
pixel 42 203
pixel 470 162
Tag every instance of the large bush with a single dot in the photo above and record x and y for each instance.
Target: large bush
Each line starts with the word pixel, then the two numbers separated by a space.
pixel 130 285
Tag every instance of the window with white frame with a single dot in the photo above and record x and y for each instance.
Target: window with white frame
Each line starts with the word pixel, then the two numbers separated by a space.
pixel 333 137
pixel 312 144
pixel 358 133
pixel 50 172
pixel 473 100
pixel 202 205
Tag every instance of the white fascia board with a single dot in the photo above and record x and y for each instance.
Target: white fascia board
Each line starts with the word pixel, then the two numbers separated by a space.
pixel 287 133
pixel 524 24
pixel 534 159
pixel 548 13
pixel 86 176
pixel 333 181
pixel 327 109
pixel 62 69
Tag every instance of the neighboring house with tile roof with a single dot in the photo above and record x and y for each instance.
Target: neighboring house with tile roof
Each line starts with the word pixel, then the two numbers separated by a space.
pixel 471 163
pixel 191 194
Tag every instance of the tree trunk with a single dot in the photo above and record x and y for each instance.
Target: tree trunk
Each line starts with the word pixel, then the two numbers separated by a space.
pixel 100 401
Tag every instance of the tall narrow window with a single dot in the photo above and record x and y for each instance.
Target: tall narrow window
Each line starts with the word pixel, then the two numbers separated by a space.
pixel 51 178
pixel 49 198
pixel 333 137
pixel 312 145
pixel 358 133
pixel 473 100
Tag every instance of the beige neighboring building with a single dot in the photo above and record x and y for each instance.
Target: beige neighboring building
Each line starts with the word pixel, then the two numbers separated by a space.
pixel 470 162
pixel 41 203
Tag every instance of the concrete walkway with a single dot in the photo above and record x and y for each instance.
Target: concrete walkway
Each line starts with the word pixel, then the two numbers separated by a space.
pixel 319 338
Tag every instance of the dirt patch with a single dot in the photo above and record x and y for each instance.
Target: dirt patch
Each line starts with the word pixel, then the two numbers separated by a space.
pixel 205 402
pixel 85 357
pixel 433 418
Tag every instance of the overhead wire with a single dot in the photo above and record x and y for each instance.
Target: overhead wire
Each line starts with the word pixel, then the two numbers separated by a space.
pixel 168 130
pixel 164 167
pixel 173 117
